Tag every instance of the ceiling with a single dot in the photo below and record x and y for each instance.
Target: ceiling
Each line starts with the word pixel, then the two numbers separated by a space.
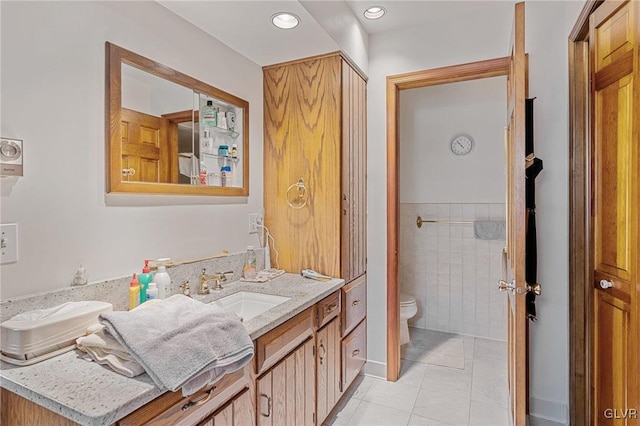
pixel 245 25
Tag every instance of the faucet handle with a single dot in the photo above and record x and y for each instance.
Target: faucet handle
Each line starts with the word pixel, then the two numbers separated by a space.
pixel 223 275
pixel 185 288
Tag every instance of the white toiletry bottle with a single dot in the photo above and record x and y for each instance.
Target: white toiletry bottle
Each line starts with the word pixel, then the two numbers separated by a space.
pixel 152 291
pixel 163 282
pixel 250 269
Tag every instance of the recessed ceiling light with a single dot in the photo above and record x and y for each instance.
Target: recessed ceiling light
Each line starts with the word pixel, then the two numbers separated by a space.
pixel 374 12
pixel 285 20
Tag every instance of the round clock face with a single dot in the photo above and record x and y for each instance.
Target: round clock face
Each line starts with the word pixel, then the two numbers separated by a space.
pixel 461 145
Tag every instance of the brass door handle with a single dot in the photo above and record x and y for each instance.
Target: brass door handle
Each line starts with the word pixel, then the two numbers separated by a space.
pixel 503 286
pixel 535 289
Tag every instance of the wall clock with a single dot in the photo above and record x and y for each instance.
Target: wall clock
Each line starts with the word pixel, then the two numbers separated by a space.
pixel 461 145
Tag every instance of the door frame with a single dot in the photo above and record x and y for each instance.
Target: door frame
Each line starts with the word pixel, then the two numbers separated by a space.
pixel 580 262
pixel 395 83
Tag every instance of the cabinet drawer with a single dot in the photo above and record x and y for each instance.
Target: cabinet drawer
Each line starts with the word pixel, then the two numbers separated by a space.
pixel 327 309
pixel 354 354
pixel 272 346
pixel 174 409
pixel 354 296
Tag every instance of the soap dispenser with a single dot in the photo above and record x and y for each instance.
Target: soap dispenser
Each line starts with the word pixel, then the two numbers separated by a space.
pixel 163 280
pixel 145 278
pixel 80 278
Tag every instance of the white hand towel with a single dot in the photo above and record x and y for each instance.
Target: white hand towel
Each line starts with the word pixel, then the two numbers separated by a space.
pixel 106 350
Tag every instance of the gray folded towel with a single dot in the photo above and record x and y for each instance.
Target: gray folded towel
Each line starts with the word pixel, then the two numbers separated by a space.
pixel 181 342
pixel 489 230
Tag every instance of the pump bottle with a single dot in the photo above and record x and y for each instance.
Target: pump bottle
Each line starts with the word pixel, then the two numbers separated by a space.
pixel 134 292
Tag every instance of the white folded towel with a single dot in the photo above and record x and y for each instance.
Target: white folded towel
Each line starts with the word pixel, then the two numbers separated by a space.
pixel 181 342
pixel 106 350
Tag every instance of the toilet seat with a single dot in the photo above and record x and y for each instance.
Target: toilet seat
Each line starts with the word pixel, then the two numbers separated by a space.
pixel 407 299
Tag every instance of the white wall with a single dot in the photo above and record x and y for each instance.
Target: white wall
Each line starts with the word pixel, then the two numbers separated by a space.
pixel 429 118
pixel 474 38
pixel 53 78
pixel 338 20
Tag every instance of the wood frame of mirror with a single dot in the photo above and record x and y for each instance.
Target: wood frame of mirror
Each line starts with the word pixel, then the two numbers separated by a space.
pixel 115 57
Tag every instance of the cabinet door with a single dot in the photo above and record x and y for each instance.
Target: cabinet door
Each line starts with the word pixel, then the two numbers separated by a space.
pixel 302 139
pixel 354 174
pixel 243 414
pixel 286 393
pixel 328 369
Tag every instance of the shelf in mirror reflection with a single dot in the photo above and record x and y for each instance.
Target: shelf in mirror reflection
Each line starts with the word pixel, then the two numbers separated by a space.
pixel 222 157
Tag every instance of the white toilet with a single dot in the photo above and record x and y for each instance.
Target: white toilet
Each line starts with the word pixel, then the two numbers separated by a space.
pixel 408 309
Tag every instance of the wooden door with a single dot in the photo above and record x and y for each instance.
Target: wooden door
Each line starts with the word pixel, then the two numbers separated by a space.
pixel 614 32
pixel 145 157
pixel 286 393
pixel 328 369
pixel 516 213
pixel 354 174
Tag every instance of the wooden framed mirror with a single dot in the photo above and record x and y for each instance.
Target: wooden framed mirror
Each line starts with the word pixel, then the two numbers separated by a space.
pixel 168 133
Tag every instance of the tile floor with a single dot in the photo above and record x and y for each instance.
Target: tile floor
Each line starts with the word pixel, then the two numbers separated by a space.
pixel 446 379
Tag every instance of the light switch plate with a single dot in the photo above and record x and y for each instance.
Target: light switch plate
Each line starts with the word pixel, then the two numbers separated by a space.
pixel 9 243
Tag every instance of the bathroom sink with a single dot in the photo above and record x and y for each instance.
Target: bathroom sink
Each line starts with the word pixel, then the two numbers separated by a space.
pixel 248 304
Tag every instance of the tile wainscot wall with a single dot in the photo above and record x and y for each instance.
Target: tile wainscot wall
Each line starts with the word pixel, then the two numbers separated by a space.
pixel 452 274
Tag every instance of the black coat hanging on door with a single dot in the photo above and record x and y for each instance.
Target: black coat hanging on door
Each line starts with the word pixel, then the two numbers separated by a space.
pixel 533 168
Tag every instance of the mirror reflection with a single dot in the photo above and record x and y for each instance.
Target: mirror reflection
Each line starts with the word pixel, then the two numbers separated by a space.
pixel 174 131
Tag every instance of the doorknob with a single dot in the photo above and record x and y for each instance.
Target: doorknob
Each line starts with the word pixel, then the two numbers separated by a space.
pixel 503 285
pixel 604 284
pixel 535 289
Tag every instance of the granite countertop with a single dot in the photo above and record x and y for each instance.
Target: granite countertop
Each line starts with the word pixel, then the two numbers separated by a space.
pixel 92 394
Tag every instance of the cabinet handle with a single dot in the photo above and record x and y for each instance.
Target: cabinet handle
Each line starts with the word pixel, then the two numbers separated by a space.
pixel 330 308
pixel 355 303
pixel 200 401
pixel 355 353
pixel 324 352
pixel 262 395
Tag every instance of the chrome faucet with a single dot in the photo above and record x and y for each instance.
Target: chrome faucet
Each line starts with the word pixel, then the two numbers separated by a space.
pixel 218 277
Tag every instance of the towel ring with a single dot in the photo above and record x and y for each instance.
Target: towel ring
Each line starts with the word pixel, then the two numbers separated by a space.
pixel 302 194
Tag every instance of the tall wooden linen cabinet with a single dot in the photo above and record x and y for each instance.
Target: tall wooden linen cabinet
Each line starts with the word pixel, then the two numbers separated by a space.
pixel 315 183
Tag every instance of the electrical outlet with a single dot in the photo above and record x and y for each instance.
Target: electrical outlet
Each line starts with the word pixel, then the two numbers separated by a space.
pixel 9 243
pixel 253 223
